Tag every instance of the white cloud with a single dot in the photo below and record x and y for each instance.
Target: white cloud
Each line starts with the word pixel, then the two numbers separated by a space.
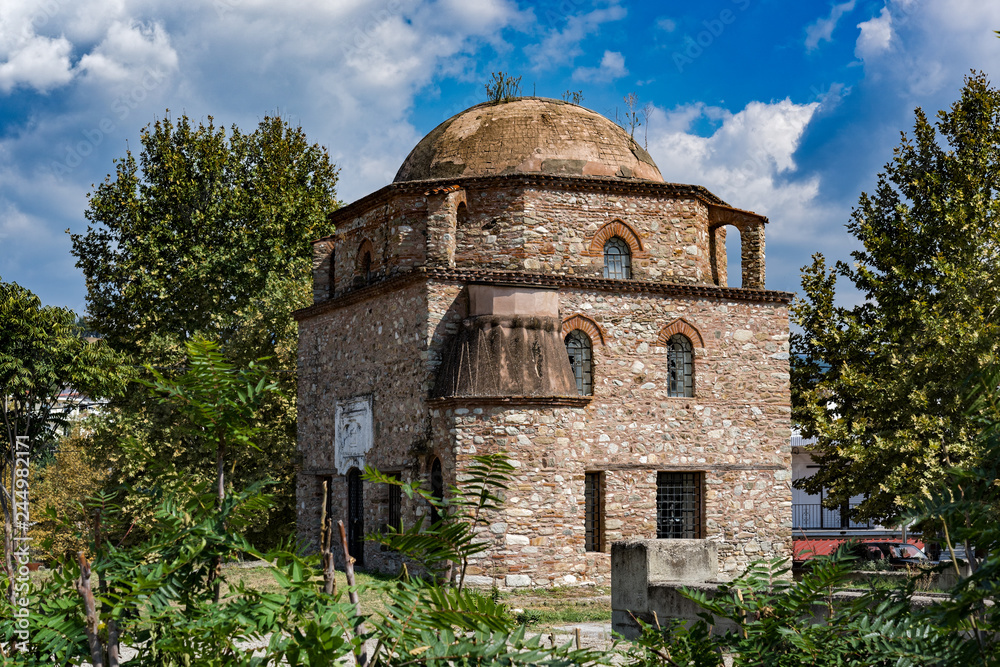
pixel 612 67
pixel 561 47
pixel 876 36
pixel 748 160
pixel 37 62
pixel 822 29
pixel 666 24
pixel 128 50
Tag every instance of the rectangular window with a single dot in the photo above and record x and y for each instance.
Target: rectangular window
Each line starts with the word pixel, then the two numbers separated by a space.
pixel 394 508
pixel 679 505
pixel 593 511
pixel 394 515
pixel 328 501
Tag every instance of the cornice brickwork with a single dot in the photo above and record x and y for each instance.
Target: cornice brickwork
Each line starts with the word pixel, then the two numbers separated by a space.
pixel 544 280
pixel 578 183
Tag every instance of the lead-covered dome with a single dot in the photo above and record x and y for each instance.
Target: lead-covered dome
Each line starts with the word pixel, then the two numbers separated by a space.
pixel 528 135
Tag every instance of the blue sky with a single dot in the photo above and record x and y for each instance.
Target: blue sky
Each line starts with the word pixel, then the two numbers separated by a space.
pixel 785 108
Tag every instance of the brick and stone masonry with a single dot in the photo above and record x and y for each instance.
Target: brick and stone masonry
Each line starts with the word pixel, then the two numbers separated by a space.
pixel 440 305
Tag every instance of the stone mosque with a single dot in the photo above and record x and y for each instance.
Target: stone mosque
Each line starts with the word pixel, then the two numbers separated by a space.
pixel 529 284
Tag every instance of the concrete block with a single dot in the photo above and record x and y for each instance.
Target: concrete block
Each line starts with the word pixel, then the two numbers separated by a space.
pixel 637 563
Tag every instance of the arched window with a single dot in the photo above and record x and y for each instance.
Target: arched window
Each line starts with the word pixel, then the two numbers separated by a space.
pixel 680 366
pixel 332 275
pixel 617 259
pixel 581 360
pixel 437 487
pixel 363 264
pixel 366 267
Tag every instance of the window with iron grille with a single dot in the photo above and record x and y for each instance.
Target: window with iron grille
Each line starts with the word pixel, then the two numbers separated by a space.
pixel 617 259
pixel 394 512
pixel 680 366
pixel 356 516
pixel 394 508
pixel 593 511
pixel 581 360
pixel 679 505
pixel 437 486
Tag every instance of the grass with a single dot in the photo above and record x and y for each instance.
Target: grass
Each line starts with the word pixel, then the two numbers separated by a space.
pixel 545 608
pixel 550 607
pixel 562 606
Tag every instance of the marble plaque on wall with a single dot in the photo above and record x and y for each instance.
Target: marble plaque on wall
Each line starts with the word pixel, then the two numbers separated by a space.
pixel 354 433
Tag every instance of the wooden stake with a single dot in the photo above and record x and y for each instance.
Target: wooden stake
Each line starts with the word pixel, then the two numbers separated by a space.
pixel 326 542
pixel 578 639
pixel 89 612
pixel 361 656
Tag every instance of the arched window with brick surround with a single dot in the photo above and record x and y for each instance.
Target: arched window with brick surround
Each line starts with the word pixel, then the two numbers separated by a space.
pixel 581 359
pixel 619 245
pixel 680 366
pixel 617 259
pixel 363 263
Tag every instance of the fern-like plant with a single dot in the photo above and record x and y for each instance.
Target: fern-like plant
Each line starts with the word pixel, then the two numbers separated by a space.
pixel 445 545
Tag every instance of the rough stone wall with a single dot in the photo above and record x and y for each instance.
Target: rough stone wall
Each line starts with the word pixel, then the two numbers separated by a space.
pixel 551 230
pixel 752 256
pixel 735 430
pixel 389 343
pixel 397 232
pixel 717 248
pixel 541 230
pixel 374 346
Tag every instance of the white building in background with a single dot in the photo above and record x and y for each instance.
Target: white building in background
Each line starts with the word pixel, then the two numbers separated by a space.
pixel 819 529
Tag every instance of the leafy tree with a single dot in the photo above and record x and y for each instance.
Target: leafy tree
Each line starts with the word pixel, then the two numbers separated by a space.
pixel 205 234
pixel 880 384
pixel 59 492
pixel 219 404
pixel 42 357
pixel 160 597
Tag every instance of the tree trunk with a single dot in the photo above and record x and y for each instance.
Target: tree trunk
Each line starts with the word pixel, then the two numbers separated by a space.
pixel 361 656
pixel 220 471
pixel 90 613
pixel 326 542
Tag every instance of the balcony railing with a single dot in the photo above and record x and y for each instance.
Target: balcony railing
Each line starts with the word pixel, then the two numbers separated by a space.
pixel 816 516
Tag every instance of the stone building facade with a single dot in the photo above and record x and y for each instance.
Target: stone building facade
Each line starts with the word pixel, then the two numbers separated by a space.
pixel 529 284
